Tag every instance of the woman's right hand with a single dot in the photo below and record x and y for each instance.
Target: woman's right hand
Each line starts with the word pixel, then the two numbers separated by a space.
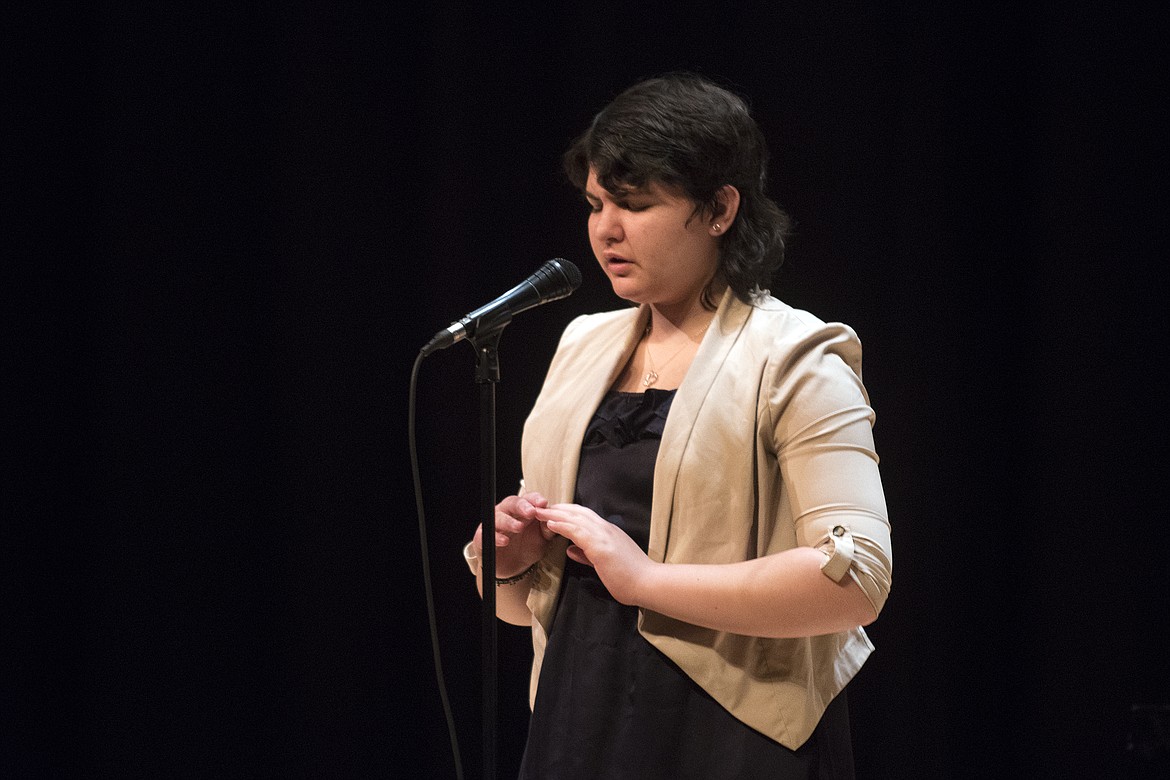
pixel 520 538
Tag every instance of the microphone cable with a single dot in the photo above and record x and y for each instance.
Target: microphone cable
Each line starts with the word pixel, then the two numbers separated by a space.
pixel 426 564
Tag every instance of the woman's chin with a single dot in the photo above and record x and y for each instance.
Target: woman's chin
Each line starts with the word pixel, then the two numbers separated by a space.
pixel 626 291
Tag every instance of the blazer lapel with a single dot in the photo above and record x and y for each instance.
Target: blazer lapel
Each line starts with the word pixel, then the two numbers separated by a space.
pixel 592 370
pixel 713 352
pixel 609 356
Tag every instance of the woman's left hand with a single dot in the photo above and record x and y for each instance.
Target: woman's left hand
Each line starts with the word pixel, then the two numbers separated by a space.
pixel 596 542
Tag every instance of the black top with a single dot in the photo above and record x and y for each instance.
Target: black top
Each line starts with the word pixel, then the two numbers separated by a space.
pixel 609 704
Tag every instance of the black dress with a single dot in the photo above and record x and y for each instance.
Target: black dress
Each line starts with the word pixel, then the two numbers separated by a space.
pixel 609 704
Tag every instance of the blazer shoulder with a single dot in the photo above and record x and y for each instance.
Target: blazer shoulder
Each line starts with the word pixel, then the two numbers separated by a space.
pixel 788 334
pixel 775 318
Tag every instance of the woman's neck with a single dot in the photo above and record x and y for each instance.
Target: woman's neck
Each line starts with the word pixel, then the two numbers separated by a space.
pixel 669 327
pixel 691 317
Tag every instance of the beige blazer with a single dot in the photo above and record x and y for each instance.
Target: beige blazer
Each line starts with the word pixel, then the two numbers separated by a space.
pixel 767 446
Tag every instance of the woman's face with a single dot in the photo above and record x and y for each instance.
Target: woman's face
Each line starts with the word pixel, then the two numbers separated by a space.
pixel 651 243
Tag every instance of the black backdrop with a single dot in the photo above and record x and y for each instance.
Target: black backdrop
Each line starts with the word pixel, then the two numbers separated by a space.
pixel 243 223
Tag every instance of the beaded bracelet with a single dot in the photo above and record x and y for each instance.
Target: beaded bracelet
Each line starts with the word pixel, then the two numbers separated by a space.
pixel 516 577
pixel 473 564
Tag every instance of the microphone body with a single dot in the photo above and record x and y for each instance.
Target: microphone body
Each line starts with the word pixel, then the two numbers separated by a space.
pixel 554 280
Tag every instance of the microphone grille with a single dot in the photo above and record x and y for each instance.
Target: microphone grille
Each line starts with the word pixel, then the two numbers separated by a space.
pixel 571 272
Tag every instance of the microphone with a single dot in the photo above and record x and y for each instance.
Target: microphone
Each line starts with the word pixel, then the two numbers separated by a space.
pixel 554 280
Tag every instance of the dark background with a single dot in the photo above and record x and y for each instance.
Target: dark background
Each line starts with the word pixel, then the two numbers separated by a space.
pixel 240 224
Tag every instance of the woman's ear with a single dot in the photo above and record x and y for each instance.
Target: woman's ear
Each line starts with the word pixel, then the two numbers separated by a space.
pixel 726 209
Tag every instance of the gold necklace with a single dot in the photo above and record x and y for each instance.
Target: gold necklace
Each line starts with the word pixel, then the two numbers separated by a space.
pixel 651 375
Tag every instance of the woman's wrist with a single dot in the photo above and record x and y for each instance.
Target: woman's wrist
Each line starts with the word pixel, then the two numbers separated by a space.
pixel 472 556
pixel 515 578
pixel 646 583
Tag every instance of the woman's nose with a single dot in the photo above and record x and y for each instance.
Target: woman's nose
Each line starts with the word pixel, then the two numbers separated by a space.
pixel 607 225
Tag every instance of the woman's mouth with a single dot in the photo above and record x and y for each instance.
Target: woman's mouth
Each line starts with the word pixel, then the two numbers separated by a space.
pixel 617 265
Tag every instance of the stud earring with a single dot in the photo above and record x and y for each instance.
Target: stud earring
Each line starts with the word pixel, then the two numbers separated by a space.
pixel 716 228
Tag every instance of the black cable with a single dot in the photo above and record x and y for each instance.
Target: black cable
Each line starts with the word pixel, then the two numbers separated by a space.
pixel 426 564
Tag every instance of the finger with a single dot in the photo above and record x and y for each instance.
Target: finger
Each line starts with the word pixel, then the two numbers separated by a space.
pixel 554 513
pixel 576 513
pixel 508 523
pixel 557 524
pixel 578 555
pixel 552 527
pixel 525 509
pixel 513 505
pixel 535 499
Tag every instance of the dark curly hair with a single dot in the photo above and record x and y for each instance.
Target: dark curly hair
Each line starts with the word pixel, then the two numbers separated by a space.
pixel 687 133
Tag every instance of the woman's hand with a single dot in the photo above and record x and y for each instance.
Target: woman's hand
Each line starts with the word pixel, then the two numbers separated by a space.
pixel 520 539
pixel 783 595
pixel 619 561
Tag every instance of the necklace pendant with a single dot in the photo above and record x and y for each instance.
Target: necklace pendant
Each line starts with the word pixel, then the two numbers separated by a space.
pixel 650 378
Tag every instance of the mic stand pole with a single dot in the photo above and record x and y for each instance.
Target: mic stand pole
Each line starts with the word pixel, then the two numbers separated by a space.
pixel 487 375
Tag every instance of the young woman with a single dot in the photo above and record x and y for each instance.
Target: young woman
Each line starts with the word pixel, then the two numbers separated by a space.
pixel 702 532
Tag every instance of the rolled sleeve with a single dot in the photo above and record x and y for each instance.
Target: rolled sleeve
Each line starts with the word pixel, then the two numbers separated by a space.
pixel 863 559
pixel 824 445
pixel 838 549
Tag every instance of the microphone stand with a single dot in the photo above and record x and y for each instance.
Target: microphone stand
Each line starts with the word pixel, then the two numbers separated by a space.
pixel 487 375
